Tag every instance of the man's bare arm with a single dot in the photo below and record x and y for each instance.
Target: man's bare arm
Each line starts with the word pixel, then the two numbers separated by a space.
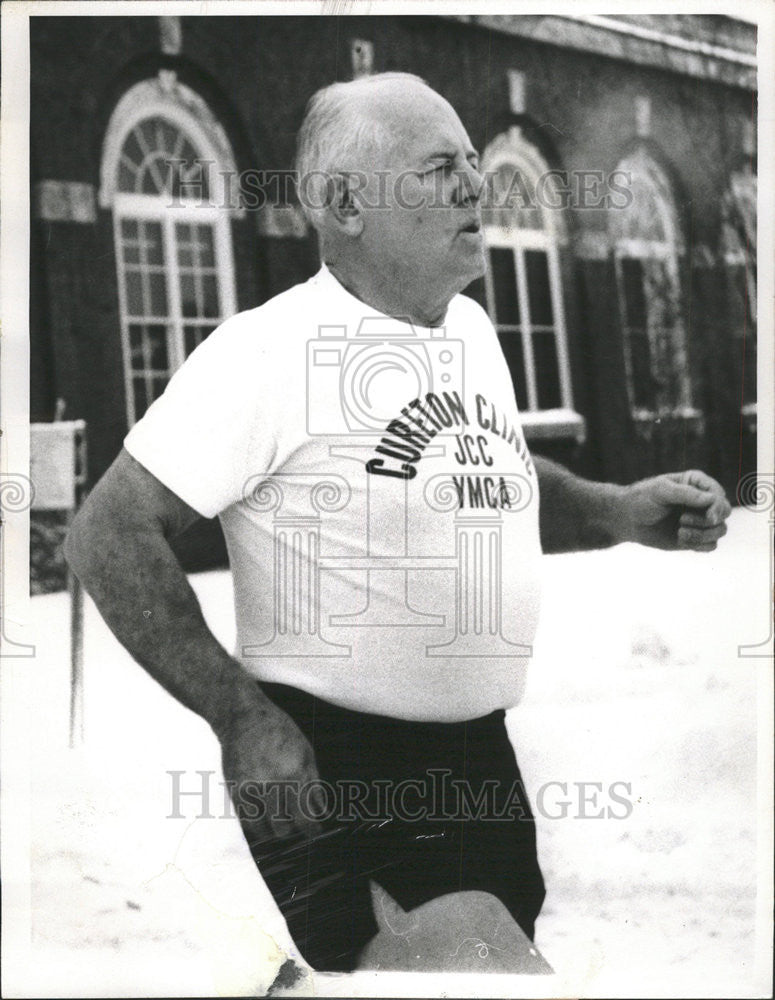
pixel 682 510
pixel 119 548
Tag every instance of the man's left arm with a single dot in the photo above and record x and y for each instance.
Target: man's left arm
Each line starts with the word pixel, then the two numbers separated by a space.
pixel 678 510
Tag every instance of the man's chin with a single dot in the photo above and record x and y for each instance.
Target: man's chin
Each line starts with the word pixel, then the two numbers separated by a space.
pixel 455 275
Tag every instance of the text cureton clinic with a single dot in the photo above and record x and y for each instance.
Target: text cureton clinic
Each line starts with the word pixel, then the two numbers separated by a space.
pixel 404 440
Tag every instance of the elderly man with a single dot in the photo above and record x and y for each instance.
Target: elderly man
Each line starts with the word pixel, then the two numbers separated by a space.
pixel 359 439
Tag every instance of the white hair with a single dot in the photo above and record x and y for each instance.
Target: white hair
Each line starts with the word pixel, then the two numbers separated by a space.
pixel 336 136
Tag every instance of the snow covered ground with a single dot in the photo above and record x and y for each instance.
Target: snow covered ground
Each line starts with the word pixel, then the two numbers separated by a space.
pixel 637 740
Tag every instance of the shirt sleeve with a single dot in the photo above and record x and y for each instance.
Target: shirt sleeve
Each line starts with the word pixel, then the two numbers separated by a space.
pixel 219 420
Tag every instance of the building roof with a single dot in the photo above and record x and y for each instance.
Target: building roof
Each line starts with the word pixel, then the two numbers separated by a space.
pixel 708 46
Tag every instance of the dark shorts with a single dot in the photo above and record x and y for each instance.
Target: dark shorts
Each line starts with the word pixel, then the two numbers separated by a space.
pixel 422 808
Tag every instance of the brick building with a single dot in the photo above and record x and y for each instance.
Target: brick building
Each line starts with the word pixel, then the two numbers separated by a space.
pixel 622 264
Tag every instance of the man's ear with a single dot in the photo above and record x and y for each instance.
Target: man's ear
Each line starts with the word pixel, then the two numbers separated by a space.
pixel 345 207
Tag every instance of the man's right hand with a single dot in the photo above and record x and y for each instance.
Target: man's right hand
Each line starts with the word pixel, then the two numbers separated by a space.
pixel 267 762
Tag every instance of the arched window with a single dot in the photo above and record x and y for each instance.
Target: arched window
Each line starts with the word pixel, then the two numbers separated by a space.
pixel 738 247
pixel 646 245
pixel 523 227
pixel 168 175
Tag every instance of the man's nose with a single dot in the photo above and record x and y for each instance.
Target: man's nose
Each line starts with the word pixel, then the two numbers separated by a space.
pixel 470 184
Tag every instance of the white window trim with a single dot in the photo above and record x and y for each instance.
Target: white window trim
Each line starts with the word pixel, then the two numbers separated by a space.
pixel 165 97
pixel 511 148
pixel 519 241
pixel 148 206
pixel 542 425
pixel 640 162
pixel 142 207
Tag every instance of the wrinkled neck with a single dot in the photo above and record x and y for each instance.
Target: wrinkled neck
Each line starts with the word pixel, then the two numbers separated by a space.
pixel 395 297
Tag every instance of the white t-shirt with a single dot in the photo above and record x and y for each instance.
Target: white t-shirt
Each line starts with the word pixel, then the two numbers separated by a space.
pixel 377 497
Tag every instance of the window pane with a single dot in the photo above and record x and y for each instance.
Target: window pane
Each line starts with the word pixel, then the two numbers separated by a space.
pixel 194 335
pixel 644 386
pixel 134 294
pixel 658 377
pixel 210 295
pixel 153 177
pixel 511 342
pixel 148 347
pixel 185 255
pixel 188 295
pixel 146 134
pixel 158 288
pixel 204 236
pixel 634 305
pixel 141 397
pixel 136 342
pixel 669 365
pixel 504 281
pixel 126 177
pixel 187 151
pixel 660 293
pixel 131 149
pixel 157 347
pixel 160 155
pixel 129 229
pixel 152 245
pixel 547 370
pixel 539 291
pixel 166 136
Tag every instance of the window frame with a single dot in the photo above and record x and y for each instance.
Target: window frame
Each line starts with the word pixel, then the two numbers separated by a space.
pixel 166 98
pixel 519 241
pixel 644 249
pixel 513 150
pixel 149 208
